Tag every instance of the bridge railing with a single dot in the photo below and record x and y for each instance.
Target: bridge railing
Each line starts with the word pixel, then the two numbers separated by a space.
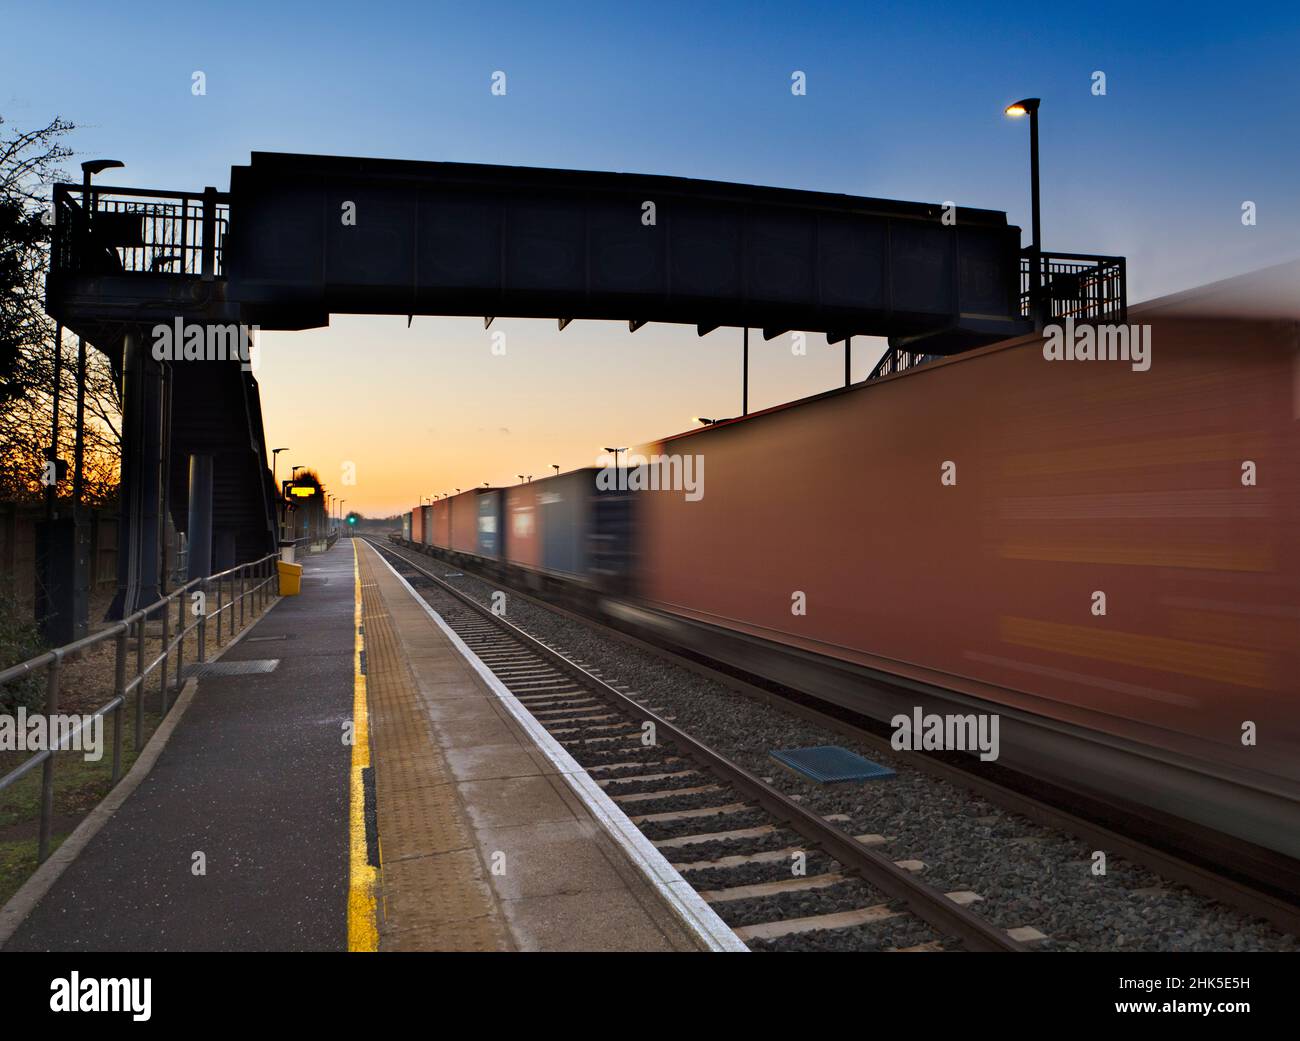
pixel 1085 286
pixel 251 584
pixel 896 359
pixel 139 230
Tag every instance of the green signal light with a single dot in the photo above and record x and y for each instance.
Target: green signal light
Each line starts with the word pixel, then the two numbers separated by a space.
pixel 352 520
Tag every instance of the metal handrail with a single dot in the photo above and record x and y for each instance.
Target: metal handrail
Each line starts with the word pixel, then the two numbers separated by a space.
pixel 1084 286
pixel 253 578
pixel 162 232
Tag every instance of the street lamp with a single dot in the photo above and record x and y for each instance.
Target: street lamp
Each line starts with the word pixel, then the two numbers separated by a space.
pixel 1029 107
pixel 556 468
pixel 615 451
pixel 274 454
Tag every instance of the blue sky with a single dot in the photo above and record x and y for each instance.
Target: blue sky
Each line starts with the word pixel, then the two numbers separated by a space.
pixel 904 101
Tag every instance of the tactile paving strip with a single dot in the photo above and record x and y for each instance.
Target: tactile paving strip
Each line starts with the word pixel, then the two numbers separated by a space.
pixel 434 895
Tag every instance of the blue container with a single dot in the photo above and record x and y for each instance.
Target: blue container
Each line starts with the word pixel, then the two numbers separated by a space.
pixel 564 509
pixel 490 528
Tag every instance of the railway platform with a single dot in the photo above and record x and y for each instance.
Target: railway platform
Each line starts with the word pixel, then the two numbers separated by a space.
pixel 347 777
pixel 488 838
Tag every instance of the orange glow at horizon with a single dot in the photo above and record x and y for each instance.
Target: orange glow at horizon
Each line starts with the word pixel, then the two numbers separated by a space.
pixel 426 410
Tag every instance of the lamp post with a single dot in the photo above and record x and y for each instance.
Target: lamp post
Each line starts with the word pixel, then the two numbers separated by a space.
pixel 556 468
pixel 744 377
pixel 1029 107
pixel 275 452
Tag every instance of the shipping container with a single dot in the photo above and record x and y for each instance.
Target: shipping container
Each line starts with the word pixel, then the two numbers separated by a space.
pixel 955 524
pixel 523 543
pixel 441 524
pixel 426 527
pixel 564 506
pixel 406 526
pixel 464 522
pixel 489 523
pixel 417 525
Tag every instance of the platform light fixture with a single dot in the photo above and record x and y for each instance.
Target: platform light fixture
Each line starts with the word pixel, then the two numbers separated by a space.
pixel 1029 107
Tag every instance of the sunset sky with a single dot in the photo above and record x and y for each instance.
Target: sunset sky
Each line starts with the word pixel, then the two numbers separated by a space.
pixel 903 102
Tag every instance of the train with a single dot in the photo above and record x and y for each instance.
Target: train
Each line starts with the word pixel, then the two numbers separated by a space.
pixel 1107 556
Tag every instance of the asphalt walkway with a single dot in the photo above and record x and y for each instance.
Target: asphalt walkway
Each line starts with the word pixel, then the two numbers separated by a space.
pixel 256 778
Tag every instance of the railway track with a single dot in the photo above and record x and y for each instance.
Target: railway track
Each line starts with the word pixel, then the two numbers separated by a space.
pixel 719 824
pixel 1267 898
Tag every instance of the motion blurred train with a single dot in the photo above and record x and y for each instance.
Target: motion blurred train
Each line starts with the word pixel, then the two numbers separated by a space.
pixel 1107 558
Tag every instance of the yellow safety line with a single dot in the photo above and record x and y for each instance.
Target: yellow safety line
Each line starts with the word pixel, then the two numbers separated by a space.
pixel 363 930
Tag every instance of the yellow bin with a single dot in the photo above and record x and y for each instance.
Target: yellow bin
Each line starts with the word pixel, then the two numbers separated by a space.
pixel 290 578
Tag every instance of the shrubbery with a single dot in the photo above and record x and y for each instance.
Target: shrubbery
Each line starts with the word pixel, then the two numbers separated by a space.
pixel 19 640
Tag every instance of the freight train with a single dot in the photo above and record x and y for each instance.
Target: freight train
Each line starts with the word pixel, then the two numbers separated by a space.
pixel 1106 557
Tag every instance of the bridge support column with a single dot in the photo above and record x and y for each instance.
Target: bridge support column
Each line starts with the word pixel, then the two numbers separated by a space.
pixel 199 536
pixel 224 549
pixel 139 546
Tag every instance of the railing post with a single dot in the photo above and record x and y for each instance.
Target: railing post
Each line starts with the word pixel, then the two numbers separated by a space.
pixel 209 271
pixel 185 236
pixel 47 768
pixel 180 641
pixel 166 653
pixel 119 685
pixel 241 599
pixel 139 656
pixel 117 741
pixel 203 622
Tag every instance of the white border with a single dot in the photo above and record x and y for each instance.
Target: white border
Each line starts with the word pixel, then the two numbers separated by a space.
pixel 693 911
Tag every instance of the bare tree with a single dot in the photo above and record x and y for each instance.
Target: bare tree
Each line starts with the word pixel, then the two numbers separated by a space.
pixel 29 164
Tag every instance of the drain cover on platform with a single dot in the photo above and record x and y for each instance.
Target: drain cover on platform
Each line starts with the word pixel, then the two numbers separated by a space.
pixel 828 763
pixel 233 668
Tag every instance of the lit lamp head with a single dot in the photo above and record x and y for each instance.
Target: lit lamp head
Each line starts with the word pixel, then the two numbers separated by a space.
pixel 1022 108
